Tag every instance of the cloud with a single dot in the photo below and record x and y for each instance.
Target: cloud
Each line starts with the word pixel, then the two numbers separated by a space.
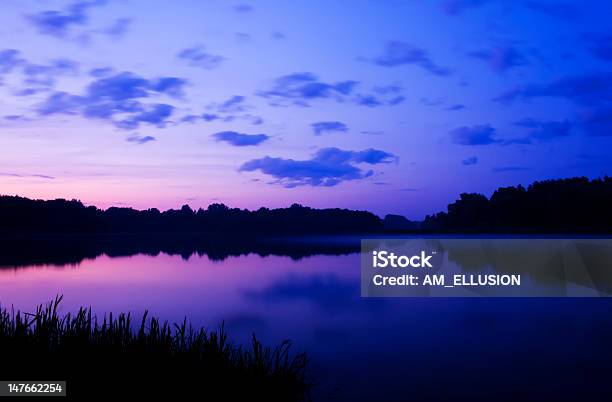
pixel 398 53
pixel 369 156
pixel 210 117
pixel 9 60
pixel 101 72
pixel 368 100
pixel 239 139
pixel 501 58
pixel 118 99
pixel 58 23
pixel 323 127
pixel 119 28
pixel 470 161
pixel 585 89
pixel 71 23
pixel 137 139
pixel 328 167
pixel 230 110
pixel 37 176
pixel 600 45
pixel 16 118
pixel 482 134
pixel 388 89
pixel 383 95
pixel 226 118
pixel 190 118
pixel 396 101
pixel 126 86
pixel 300 88
pixel 455 7
pixel 60 103
pixel 156 115
pixel 235 104
pixel 171 86
pixel 543 131
pixel 35 78
pixel 120 87
pixel 197 57
pixel 42 77
pixel 455 107
pixel 291 173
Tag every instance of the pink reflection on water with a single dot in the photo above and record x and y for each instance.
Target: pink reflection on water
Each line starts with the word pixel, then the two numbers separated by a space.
pixel 205 291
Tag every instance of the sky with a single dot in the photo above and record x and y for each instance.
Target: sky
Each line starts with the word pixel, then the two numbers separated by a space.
pixel 388 106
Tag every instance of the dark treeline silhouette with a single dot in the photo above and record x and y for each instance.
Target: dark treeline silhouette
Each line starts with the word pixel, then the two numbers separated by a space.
pixel 23 215
pixel 573 205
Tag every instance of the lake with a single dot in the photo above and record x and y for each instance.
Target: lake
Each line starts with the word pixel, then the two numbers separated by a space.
pixel 360 349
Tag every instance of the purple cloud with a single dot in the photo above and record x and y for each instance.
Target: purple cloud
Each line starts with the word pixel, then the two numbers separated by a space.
pixel 198 57
pixel 482 134
pixel 323 127
pixel 239 139
pixel 300 88
pixel 398 53
pixel 328 167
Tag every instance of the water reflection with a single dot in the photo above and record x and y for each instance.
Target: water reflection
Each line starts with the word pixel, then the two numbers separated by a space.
pixel 361 349
pixel 71 250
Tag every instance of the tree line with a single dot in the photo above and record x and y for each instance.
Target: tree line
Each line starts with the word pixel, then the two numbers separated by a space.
pixel 23 215
pixel 572 205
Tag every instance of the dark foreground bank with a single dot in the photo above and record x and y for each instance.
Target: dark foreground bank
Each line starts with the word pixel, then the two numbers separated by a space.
pixel 112 357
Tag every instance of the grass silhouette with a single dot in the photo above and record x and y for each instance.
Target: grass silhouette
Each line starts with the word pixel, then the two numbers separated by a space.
pixel 112 357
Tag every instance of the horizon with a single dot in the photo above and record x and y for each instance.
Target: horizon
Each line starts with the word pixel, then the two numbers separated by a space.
pixel 392 108
pixel 205 207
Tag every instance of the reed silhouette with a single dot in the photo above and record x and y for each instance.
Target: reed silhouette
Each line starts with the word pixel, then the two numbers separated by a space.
pixel 115 357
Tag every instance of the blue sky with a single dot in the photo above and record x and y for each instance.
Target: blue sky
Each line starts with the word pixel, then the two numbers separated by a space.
pixel 390 106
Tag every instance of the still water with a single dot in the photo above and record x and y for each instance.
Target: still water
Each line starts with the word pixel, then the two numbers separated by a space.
pixel 360 349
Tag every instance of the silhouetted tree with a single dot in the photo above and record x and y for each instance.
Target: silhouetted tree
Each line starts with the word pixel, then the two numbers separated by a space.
pixel 23 215
pixel 574 205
